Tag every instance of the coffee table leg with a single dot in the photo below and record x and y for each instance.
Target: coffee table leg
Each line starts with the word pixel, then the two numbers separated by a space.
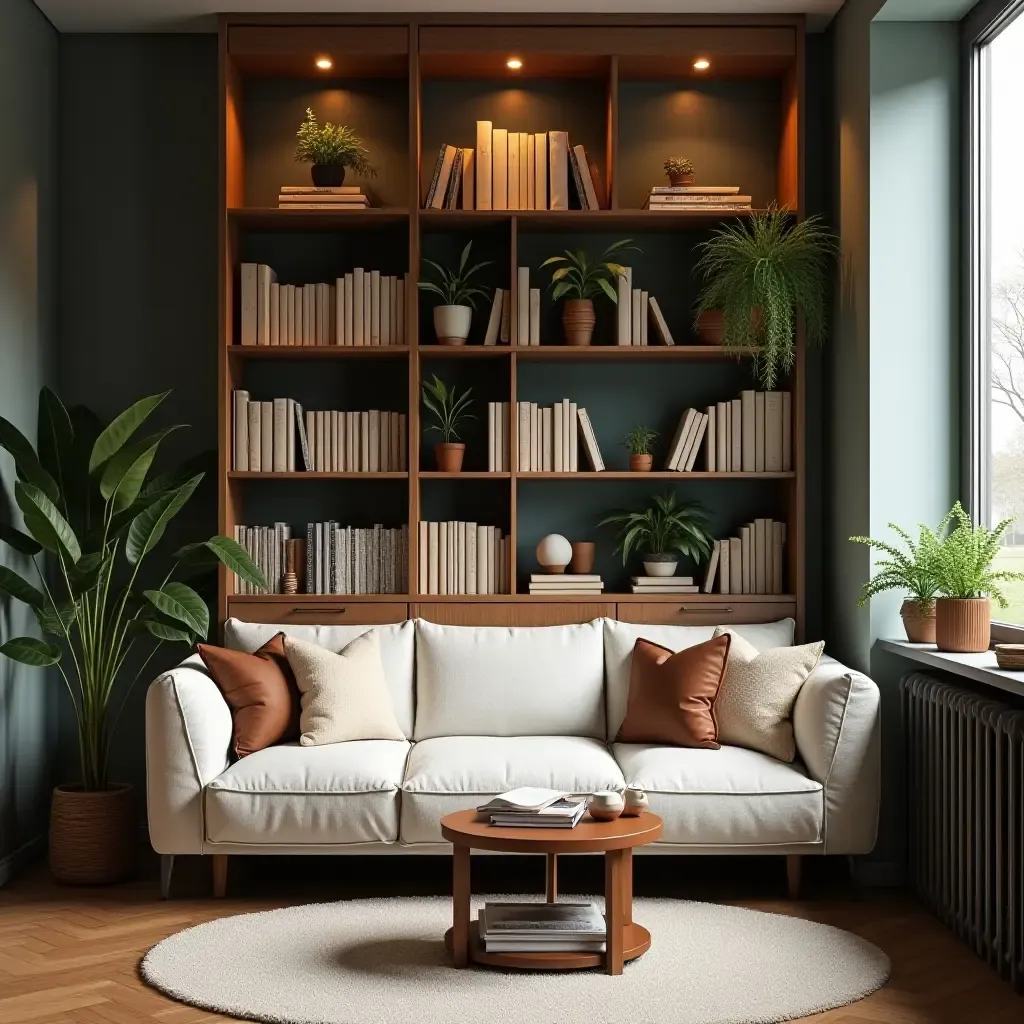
pixel 627 888
pixel 551 885
pixel 614 901
pixel 460 905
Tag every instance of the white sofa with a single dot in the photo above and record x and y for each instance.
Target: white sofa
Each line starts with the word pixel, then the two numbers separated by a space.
pixel 487 709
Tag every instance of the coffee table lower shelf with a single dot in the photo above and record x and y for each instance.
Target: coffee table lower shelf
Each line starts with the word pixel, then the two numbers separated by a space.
pixel 636 940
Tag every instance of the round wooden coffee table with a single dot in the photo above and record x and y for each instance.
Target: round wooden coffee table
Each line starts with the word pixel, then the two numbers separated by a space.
pixel 468 830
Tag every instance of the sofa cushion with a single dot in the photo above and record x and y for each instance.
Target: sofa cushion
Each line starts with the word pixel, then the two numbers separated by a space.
pixel 452 773
pixel 396 652
pixel 299 796
pixel 498 681
pixel 619 638
pixel 725 797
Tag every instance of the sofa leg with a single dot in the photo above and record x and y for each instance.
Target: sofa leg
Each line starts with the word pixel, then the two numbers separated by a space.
pixel 794 863
pixel 220 875
pixel 166 870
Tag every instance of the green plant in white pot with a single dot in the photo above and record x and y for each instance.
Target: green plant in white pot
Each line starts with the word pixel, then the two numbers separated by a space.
pixel 94 517
pixel 454 316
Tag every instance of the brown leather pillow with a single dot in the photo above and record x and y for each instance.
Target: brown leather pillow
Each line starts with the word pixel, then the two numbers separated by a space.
pixel 261 691
pixel 672 696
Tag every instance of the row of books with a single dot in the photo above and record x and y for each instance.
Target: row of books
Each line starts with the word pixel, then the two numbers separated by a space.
pixel 636 309
pixel 332 559
pixel 534 807
pixel 717 198
pixel 751 563
pixel 749 434
pixel 514 171
pixel 363 308
pixel 323 197
pixel 497 437
pixel 527 309
pixel 542 927
pixel 463 558
pixel 548 438
pixel 565 583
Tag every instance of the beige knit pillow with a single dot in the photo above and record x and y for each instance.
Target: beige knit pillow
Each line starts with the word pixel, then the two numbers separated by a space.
pixel 755 702
pixel 344 696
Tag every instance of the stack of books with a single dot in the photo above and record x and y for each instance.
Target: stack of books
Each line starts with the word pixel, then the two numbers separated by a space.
pixel 549 438
pixel 752 563
pixel 565 583
pixel 534 807
pixel 463 558
pixel 497 437
pixel 326 197
pixel 542 928
pixel 664 585
pixel 718 198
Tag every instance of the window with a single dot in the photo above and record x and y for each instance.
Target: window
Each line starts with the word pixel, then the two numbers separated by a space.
pixel 997 300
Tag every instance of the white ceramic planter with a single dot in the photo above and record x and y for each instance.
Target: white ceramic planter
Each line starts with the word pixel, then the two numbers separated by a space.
pixel 660 568
pixel 451 324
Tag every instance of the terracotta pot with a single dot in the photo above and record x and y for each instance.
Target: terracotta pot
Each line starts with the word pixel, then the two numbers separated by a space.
pixel 677 180
pixel 582 557
pixel 449 456
pixel 711 326
pixel 918 621
pixel 93 836
pixel 328 175
pixel 963 625
pixel 452 323
pixel 641 463
pixel 578 321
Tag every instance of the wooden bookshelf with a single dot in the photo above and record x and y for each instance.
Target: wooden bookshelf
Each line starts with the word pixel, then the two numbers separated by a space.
pixel 625 87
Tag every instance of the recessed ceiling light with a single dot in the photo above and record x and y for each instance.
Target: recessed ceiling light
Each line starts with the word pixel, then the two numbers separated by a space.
pixel 513 63
pixel 701 64
pixel 324 63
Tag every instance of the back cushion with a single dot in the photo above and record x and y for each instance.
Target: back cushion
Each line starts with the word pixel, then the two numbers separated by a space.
pixel 396 652
pixel 502 681
pixel 619 638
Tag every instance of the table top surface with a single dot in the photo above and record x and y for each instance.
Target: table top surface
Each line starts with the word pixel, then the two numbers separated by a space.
pixel 473 829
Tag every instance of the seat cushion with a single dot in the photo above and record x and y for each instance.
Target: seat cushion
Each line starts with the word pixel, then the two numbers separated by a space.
pixel 396 652
pixel 499 681
pixel 451 773
pixel 291 795
pixel 725 797
pixel 619 638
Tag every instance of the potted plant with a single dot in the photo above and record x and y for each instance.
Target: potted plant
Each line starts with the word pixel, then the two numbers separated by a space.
pixel 661 532
pixel 331 149
pixel 93 519
pixel 679 171
pixel 452 319
pixel 450 410
pixel 758 273
pixel 912 571
pixel 967 583
pixel 579 281
pixel 638 443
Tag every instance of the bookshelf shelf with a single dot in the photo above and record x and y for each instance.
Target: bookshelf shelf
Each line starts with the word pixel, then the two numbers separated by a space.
pixel 629 353
pixel 334 600
pixel 304 475
pixel 270 218
pixel 317 352
pixel 465 475
pixel 464 351
pixel 579 220
pixel 654 475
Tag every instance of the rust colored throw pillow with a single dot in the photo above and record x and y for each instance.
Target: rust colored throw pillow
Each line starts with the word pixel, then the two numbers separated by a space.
pixel 261 691
pixel 672 696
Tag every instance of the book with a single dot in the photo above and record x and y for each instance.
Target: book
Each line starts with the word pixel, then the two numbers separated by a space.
pixel 563 813
pixel 321 206
pixel 636 317
pixel 663 581
pixel 524 170
pixel 316 200
pixel 513 171
pixel 534 327
pixel 645 298
pixel 679 589
pixel 787 432
pixel 577 194
pixel 484 131
pixel 499 169
pixel 468 180
pixel 711 439
pixel 523 306
pixel 691 456
pixel 746 540
pixel 264 278
pixel 735 565
pixel 722 417
pixel 624 309
pixel 758 580
pixel 504 332
pixel 454 182
pixel 531 172
pixel 558 170
pixel 559 463
pixel 439 180
pixel 778 543
pixel 698 201
pixel 540 164
pixel 724 569
pixel 266 436
pixel 712 567
pixel 321 190
pixel 735 436
pixel 568 577
pixel 747 460
pixel 240 421
pixel 773 432
pixel 374 308
pixel 660 324
pixel 759 433
pixel 588 182
pixel 541 922
pixel 590 445
pixel 710 190
pixel 684 432
pixel 279 440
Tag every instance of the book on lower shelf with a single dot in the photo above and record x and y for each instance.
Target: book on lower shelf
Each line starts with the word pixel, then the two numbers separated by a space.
pixel 664 585
pixel 457 557
pixel 497 437
pixel 704 198
pixel 565 583
pixel 324 197
pixel 753 562
pixel 542 928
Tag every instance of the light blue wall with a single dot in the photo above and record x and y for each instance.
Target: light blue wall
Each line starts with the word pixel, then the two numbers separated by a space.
pixel 28 96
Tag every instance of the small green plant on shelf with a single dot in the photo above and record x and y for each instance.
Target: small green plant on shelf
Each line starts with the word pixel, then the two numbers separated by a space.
pixel 454 316
pixel 639 442
pixel 450 409
pixel 661 532
pixel 758 274
pixel 579 280
pixel 331 149
pixel 679 170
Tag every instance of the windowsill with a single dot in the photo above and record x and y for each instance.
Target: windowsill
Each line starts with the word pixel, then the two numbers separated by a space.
pixel 981 668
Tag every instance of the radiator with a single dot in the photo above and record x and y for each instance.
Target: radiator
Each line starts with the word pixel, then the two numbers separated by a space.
pixel 965 784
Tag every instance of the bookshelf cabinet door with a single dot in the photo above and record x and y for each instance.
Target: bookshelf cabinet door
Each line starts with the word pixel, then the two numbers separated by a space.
pixel 706 613
pixel 330 613
pixel 511 613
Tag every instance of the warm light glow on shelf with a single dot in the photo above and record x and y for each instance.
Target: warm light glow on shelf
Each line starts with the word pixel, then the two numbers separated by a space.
pixel 513 63
pixel 701 64
pixel 324 63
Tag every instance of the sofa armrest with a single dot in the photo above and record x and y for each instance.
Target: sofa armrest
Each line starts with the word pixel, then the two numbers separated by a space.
pixel 837 726
pixel 188 742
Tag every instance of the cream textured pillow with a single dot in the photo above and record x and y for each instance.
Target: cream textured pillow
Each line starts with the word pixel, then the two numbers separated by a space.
pixel 755 702
pixel 344 696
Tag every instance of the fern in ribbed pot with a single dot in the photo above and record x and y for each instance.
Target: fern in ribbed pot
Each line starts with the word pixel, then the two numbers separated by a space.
pixel 759 273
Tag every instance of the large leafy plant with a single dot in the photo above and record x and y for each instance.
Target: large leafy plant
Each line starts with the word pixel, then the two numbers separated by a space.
pixel 760 272
pixel 449 406
pixel 583 278
pixel 664 527
pixel 331 144
pixel 455 286
pixel 93 519
pixel 912 570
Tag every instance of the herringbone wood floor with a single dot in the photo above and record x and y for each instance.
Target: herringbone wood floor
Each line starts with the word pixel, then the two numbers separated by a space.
pixel 71 955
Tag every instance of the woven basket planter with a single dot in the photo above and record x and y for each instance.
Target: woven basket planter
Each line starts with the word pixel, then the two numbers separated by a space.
pixel 93 836
pixel 963 625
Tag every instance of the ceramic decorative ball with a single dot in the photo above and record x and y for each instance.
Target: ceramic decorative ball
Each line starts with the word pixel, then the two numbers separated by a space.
pixel 605 805
pixel 554 553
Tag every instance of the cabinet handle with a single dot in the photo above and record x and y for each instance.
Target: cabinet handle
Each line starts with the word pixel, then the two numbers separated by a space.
pixel 318 611
pixel 728 609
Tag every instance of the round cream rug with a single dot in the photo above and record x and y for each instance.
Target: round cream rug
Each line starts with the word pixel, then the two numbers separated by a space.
pixel 384 962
